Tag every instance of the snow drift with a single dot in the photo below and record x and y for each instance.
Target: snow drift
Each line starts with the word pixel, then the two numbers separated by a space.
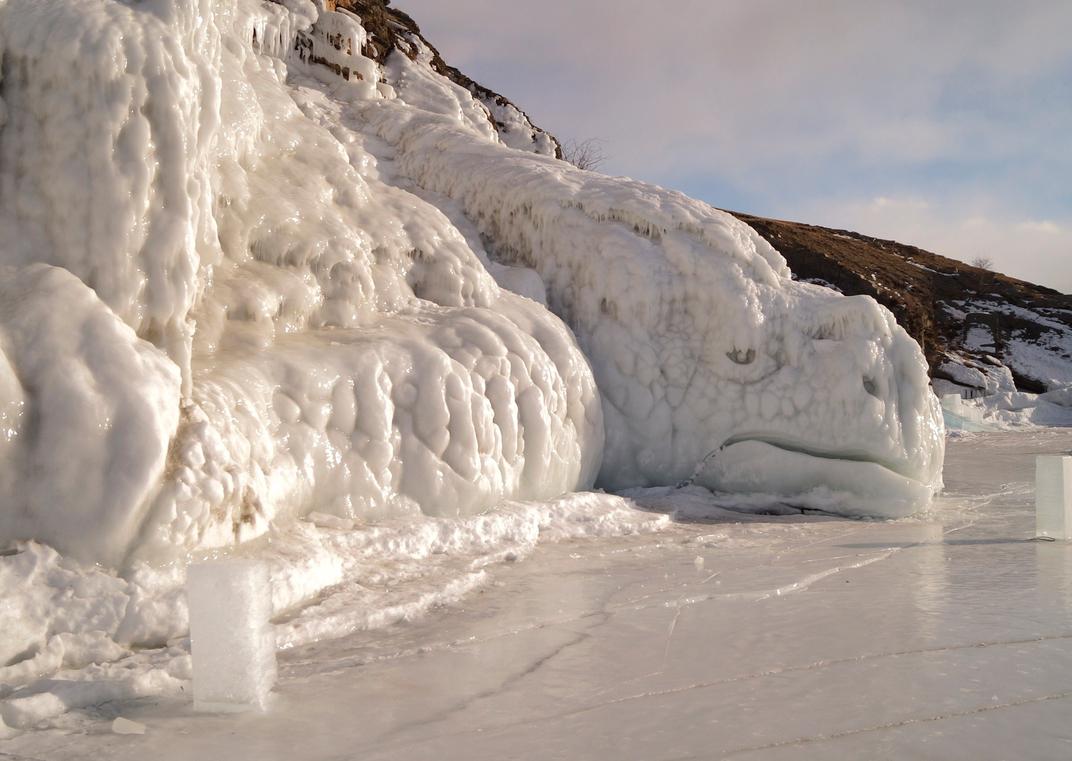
pixel 251 273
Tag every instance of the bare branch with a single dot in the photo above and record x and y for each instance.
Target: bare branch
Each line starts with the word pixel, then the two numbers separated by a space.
pixel 586 154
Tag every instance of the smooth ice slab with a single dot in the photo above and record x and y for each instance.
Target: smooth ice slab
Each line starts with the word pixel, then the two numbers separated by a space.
pixel 123 726
pixel 1053 496
pixel 232 644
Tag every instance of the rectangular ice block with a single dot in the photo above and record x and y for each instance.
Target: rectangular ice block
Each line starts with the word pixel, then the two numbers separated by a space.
pixel 231 640
pixel 1053 496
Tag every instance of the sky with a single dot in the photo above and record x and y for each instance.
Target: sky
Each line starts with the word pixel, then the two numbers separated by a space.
pixel 947 125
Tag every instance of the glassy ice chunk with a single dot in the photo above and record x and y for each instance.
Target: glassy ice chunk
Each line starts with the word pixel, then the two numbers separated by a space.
pixel 1053 496
pixel 231 641
pixel 123 726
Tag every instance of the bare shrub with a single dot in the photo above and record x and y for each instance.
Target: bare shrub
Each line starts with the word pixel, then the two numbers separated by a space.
pixel 586 154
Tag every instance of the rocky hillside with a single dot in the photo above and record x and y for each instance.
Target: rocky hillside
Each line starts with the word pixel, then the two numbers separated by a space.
pixel 972 323
pixel 392 29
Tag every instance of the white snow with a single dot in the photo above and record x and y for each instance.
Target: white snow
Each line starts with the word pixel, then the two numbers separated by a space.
pixel 1010 410
pixel 971 377
pixel 1045 355
pixel 123 726
pixel 928 269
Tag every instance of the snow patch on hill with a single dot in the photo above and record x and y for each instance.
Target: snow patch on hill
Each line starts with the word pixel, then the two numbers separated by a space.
pixel 1030 342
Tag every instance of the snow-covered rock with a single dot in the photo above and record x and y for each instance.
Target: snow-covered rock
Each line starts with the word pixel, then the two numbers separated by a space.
pixel 273 291
pixel 341 346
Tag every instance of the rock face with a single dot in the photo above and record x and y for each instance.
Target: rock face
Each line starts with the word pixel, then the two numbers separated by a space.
pixel 391 29
pixel 975 326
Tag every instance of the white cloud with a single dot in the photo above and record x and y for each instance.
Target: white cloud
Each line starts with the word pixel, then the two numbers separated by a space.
pixel 828 75
pixel 1043 226
pixel 1038 251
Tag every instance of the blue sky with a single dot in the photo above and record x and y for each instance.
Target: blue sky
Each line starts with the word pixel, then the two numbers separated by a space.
pixel 946 125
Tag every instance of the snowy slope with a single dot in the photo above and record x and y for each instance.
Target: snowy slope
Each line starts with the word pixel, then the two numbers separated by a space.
pixel 258 269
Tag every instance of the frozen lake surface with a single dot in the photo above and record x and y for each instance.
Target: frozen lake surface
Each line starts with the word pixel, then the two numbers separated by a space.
pixel 946 637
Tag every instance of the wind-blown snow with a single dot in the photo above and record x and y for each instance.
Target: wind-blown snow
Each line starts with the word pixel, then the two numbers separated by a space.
pixel 250 275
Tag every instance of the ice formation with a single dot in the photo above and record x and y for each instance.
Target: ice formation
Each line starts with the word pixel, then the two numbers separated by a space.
pixel 251 273
pixel 340 346
pixel 712 363
pixel 231 642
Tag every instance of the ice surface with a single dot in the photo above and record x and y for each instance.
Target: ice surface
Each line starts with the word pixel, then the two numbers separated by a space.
pixel 78 635
pixel 231 641
pixel 1053 496
pixel 123 726
pixel 944 636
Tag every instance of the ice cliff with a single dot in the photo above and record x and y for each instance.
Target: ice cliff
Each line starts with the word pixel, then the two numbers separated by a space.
pixel 250 271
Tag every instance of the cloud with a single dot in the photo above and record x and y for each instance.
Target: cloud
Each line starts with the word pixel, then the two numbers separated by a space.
pixel 1038 251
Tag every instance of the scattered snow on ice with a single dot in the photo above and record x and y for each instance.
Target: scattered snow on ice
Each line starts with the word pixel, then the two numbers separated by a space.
pixel 80 635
